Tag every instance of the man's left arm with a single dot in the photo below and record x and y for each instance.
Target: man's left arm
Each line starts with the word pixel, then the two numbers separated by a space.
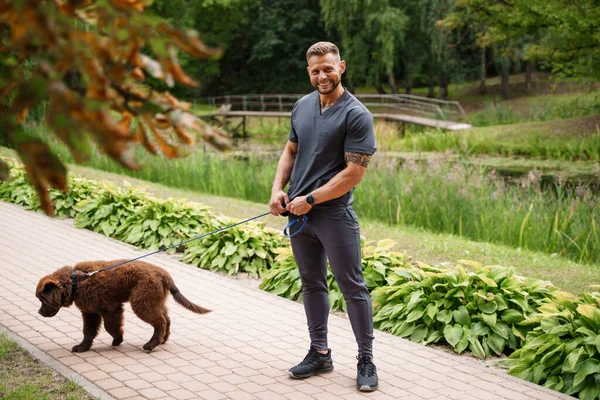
pixel 339 185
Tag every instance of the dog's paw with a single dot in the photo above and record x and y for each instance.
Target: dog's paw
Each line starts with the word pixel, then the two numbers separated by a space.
pixel 150 346
pixel 80 348
pixel 117 341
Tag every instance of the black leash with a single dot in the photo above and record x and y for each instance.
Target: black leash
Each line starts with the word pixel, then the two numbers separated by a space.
pixel 290 224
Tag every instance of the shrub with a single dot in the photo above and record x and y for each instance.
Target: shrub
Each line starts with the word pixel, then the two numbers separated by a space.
pixel 247 248
pixel 480 310
pixel 562 352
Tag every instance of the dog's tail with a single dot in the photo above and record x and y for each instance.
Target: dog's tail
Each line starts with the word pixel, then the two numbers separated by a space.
pixel 185 302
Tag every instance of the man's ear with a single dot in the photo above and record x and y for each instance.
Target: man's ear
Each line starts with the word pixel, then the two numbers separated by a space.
pixel 342 66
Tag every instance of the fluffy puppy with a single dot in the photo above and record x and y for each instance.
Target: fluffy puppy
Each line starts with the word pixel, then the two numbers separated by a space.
pixel 101 297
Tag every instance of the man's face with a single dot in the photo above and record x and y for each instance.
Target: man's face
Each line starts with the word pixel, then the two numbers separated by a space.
pixel 325 72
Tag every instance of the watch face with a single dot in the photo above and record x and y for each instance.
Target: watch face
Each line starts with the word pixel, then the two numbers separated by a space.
pixel 310 200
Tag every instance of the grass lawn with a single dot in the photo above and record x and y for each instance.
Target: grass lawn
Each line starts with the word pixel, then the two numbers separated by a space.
pixel 24 378
pixel 418 244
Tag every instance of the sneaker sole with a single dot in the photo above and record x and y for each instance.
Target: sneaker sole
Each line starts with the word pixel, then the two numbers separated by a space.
pixel 367 388
pixel 323 371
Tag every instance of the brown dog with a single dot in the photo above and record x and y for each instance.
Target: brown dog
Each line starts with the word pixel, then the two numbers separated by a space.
pixel 102 295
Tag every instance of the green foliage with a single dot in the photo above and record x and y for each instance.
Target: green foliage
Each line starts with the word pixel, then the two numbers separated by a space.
pixel 19 191
pixel 158 224
pixel 377 262
pixel 562 352
pixel 481 311
pixel 559 107
pixel 247 248
pixel 283 279
pixel 108 209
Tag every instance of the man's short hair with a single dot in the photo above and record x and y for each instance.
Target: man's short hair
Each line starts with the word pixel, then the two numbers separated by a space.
pixel 321 49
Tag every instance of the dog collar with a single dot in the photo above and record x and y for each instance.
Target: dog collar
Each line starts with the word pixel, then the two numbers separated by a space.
pixel 73 284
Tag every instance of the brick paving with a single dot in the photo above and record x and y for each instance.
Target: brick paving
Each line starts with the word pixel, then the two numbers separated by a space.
pixel 241 350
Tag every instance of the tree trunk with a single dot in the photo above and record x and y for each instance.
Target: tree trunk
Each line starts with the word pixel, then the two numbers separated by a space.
pixel 528 75
pixel 443 85
pixel 392 81
pixel 380 89
pixel 431 92
pixel 407 76
pixel 482 73
pixel 443 72
pixel 505 89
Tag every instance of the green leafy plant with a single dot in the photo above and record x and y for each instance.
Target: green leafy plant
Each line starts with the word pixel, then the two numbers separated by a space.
pixel 159 224
pixel 247 248
pixel 109 209
pixel 480 311
pixel 19 191
pixel 284 278
pixel 562 352
pixel 377 262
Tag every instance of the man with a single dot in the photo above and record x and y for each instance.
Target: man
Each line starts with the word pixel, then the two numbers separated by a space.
pixel 326 156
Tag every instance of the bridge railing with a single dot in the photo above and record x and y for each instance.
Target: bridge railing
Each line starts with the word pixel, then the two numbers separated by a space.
pixel 388 103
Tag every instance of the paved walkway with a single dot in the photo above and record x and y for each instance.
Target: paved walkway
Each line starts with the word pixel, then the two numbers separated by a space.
pixel 241 350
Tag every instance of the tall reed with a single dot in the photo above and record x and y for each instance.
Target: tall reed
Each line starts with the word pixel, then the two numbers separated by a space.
pixel 439 196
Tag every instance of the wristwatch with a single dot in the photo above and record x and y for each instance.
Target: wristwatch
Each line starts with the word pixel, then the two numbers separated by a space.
pixel 310 199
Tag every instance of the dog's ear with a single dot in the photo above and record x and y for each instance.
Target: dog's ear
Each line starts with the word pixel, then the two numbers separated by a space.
pixel 49 286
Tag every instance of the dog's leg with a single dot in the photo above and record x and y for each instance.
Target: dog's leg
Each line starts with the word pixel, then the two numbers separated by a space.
pixel 168 327
pixel 113 323
pixel 153 315
pixel 159 333
pixel 91 325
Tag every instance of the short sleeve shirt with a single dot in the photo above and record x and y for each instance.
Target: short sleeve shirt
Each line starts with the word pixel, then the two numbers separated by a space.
pixel 322 140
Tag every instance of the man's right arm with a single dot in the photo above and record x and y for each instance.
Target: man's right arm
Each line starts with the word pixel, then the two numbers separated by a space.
pixel 282 177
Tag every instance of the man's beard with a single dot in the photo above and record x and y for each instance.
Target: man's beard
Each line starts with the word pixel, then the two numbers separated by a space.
pixel 334 85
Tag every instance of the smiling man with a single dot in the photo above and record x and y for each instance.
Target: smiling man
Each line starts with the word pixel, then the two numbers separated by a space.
pixel 328 150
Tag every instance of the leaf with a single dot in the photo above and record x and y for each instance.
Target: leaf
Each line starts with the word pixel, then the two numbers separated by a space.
pixel 511 316
pixel 488 307
pixel 476 348
pixel 588 367
pixel 462 316
pixel 496 343
pixel 444 316
pixel 229 249
pixel 453 334
pixel 415 314
pixel 419 334
pixel 489 319
pixel 590 392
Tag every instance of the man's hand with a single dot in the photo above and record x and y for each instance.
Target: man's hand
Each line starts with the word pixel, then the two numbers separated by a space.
pixel 299 206
pixel 277 199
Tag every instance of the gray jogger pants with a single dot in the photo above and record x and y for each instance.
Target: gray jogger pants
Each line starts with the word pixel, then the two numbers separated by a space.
pixel 337 238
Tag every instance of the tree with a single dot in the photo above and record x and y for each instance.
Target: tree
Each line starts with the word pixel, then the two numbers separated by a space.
pixel 371 33
pixel 87 59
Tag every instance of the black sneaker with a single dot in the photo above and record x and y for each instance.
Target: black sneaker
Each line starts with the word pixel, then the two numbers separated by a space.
pixel 366 377
pixel 314 363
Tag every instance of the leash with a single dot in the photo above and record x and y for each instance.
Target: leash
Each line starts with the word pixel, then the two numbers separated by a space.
pixel 304 218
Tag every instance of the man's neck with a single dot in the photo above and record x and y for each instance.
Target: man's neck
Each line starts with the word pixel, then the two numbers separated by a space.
pixel 328 100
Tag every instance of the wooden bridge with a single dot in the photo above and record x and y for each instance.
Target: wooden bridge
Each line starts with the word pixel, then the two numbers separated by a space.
pixel 402 108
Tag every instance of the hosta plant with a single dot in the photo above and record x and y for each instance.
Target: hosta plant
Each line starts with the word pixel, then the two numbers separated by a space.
pixel 245 248
pixel 284 280
pixel 19 191
pixel 562 352
pixel 479 310
pixel 108 210
pixel 377 262
pixel 161 224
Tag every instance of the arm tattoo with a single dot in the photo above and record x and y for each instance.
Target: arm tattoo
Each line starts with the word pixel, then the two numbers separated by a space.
pixel 358 158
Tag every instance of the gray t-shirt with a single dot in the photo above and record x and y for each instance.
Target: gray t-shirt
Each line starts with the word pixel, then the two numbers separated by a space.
pixel 322 141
